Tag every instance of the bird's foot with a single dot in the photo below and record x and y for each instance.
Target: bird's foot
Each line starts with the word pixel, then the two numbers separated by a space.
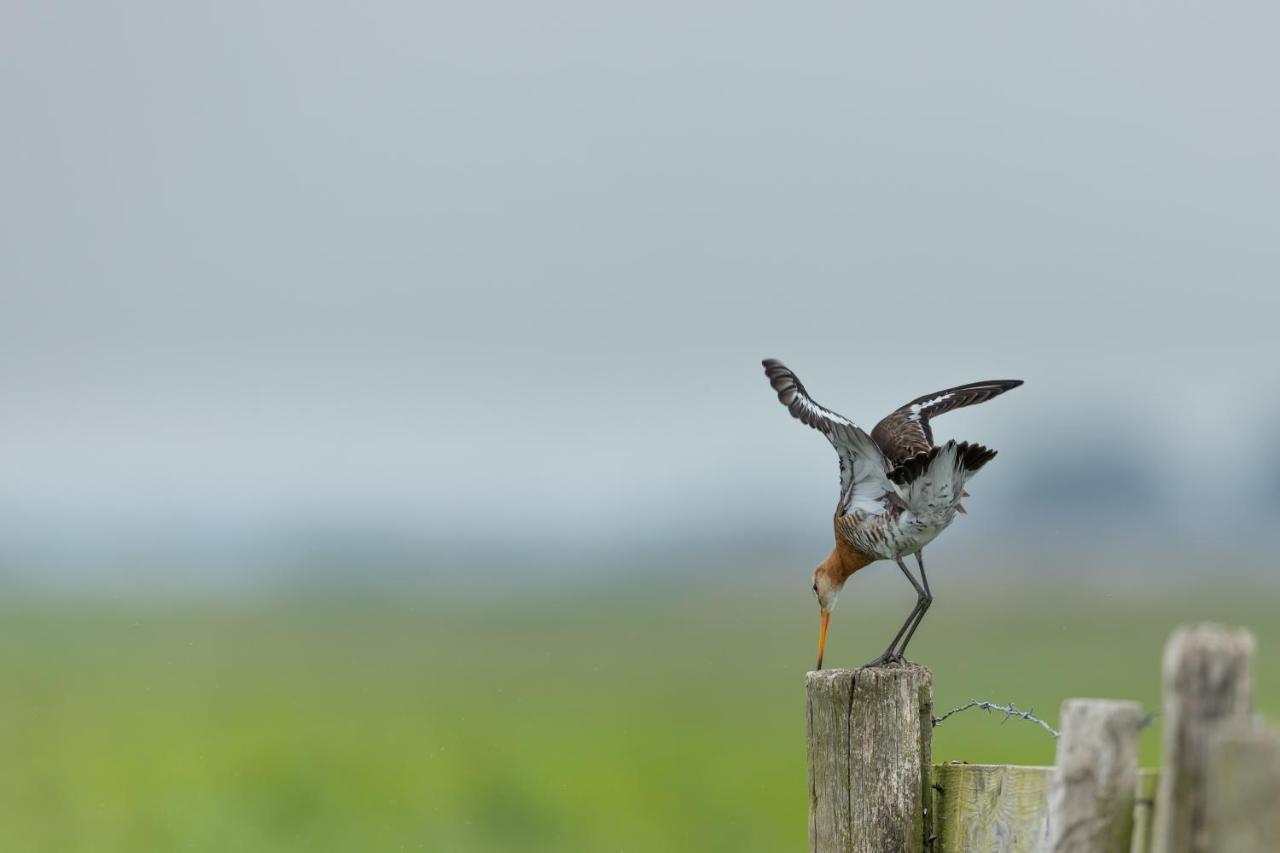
pixel 885 659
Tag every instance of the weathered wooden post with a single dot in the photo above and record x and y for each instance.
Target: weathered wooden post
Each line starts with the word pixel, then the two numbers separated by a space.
pixel 870 753
pixel 990 808
pixel 1244 790
pixel 1091 792
pixel 1206 689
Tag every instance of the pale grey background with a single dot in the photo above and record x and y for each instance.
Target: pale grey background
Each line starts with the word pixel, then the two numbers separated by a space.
pixel 308 287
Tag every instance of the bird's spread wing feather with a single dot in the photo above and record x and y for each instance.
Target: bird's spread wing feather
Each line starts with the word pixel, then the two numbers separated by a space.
pixel 906 433
pixel 864 482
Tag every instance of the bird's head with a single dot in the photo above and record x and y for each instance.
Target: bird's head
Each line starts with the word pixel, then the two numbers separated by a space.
pixel 826 586
pixel 828 580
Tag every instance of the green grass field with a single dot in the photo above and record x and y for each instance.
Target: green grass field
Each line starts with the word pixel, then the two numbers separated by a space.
pixel 639 719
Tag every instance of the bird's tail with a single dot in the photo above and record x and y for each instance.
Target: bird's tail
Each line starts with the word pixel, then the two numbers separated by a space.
pixel 935 478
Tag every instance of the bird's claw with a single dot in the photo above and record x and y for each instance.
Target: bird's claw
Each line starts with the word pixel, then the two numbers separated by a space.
pixel 885 659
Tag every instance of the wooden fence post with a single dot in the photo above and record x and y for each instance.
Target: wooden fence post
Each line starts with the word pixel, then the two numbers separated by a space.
pixel 870 757
pixel 990 808
pixel 1206 687
pixel 1244 790
pixel 1091 792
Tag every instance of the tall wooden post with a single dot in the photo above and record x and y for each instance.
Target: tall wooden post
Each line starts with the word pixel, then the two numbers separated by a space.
pixel 1206 689
pixel 1091 793
pixel 870 756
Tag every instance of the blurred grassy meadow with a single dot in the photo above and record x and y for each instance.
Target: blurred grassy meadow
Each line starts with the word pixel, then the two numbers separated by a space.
pixel 632 717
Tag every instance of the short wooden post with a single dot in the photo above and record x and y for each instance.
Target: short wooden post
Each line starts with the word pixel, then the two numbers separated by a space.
pixel 990 808
pixel 869 745
pixel 1091 793
pixel 1206 687
pixel 1244 790
pixel 1144 808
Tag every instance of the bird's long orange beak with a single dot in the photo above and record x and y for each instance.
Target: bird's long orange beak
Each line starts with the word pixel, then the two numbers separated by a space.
pixel 824 621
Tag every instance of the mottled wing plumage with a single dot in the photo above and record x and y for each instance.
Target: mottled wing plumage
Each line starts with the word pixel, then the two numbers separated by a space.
pixel 906 432
pixel 902 438
pixel 864 484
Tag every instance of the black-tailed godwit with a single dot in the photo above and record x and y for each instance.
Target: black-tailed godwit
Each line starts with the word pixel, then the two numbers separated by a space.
pixel 898 490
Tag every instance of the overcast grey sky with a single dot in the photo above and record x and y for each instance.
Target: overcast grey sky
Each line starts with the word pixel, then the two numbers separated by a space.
pixel 451 264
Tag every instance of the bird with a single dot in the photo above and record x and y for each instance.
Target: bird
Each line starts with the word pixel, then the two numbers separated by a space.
pixel 898 490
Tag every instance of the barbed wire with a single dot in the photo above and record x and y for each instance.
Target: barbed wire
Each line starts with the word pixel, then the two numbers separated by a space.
pixel 1008 711
pixel 1011 711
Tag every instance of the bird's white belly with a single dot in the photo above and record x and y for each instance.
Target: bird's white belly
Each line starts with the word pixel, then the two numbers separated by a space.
pixel 897 537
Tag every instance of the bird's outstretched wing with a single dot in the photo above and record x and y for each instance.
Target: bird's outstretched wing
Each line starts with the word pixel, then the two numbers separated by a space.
pixel 906 433
pixel 864 483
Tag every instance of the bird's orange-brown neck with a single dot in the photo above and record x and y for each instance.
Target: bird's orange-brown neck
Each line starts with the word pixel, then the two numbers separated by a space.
pixel 842 562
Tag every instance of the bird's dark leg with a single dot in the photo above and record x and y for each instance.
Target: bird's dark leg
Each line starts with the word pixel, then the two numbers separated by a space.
pixel 890 656
pixel 922 605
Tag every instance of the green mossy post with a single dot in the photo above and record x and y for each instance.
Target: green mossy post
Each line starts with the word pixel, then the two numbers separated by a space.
pixel 990 808
pixel 1144 809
